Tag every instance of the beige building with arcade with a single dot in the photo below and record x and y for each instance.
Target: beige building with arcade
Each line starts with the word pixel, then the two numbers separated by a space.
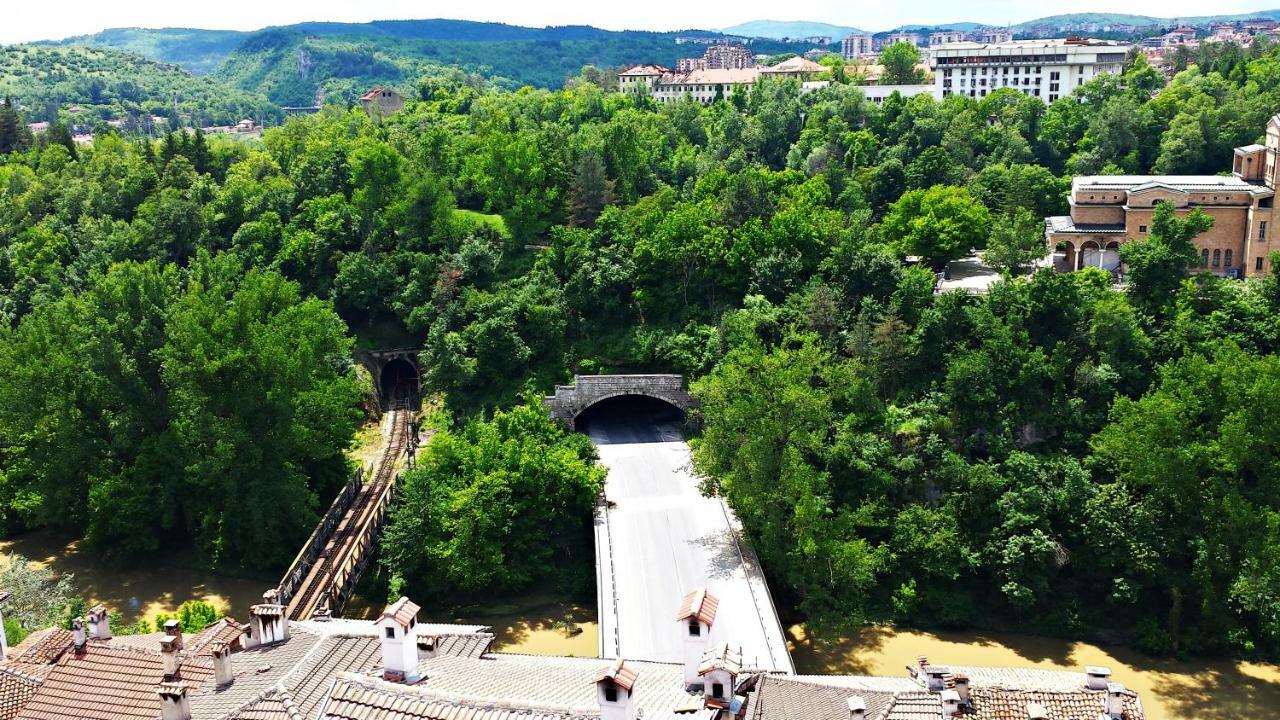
pixel 1109 210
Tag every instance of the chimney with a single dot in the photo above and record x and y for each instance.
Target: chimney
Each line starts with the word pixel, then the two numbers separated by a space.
pixel 398 634
pixel 857 707
pixel 1036 711
pixel 1115 700
pixel 4 639
pixel 950 703
pixel 696 616
pixel 77 632
pixel 934 677
pixel 173 628
pixel 99 623
pixel 173 701
pixel 267 621
pixel 427 645
pixel 223 673
pixel 170 646
pixel 613 689
pixel 718 672
pixel 962 688
pixel 1097 677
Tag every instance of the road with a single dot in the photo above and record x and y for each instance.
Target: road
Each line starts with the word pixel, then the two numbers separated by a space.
pixel 659 538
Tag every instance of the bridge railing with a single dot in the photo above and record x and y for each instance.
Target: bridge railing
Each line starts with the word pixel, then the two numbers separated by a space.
pixel 347 570
pixel 306 557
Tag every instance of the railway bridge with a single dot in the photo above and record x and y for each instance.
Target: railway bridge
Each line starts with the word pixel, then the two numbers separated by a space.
pixel 321 577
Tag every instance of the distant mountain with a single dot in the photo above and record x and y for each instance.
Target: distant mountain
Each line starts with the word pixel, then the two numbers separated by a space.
pixel 197 51
pixel 103 83
pixel 964 26
pixel 777 30
pixel 1076 19
pixel 294 64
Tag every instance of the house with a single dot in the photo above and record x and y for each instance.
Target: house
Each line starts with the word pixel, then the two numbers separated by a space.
pixel 1110 210
pixel 796 67
pixel 382 102
pixel 397 668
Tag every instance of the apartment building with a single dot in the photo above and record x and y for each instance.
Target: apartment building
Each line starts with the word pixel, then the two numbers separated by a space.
pixel 707 86
pixel 856 46
pixel 1110 210
pixel 901 37
pixel 946 37
pixel 719 57
pixel 1046 69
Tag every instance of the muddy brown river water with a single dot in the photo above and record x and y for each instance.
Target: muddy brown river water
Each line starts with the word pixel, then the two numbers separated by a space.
pixel 1170 690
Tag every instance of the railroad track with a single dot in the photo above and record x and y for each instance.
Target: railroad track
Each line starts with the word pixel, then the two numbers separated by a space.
pixel 332 560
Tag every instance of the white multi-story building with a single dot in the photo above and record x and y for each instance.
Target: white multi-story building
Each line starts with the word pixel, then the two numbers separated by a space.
pixel 856 46
pixel 994 35
pixel 946 37
pixel 901 37
pixel 1046 69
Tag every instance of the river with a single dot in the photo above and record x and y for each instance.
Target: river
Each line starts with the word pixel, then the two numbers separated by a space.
pixel 1170 690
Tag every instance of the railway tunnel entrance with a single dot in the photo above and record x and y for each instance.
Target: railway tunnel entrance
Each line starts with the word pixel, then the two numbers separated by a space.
pixel 400 383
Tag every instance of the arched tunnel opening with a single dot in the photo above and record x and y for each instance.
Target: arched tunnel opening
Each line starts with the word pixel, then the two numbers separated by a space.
pixel 399 383
pixel 631 419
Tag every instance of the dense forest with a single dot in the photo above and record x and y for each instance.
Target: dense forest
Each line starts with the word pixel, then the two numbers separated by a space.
pixel 104 84
pixel 1058 454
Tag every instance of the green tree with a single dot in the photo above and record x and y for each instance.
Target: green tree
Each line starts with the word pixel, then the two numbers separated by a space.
pixel 1158 263
pixel 939 224
pixel 900 61
pixel 1015 242
pixel 496 504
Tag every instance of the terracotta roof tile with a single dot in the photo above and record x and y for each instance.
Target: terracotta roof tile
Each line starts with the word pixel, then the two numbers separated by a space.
pixel 700 604
pixel 357 698
pixel 43 646
pixel 107 682
pixel 16 688
pixel 403 611
pixel 619 674
pixel 1006 704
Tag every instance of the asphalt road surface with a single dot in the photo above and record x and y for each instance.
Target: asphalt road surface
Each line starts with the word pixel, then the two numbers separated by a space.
pixel 659 538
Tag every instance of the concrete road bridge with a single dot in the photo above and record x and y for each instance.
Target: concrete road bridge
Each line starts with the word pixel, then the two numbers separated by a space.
pixel 571 401
pixel 658 539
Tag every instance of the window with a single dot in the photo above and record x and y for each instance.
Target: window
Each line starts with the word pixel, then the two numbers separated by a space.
pixel 1204 258
pixel 1217 258
pixel 391 632
pixel 717 690
pixel 1257 264
pixel 1142 228
pixel 610 693
pixel 1262 230
pixel 1226 259
pixel 695 629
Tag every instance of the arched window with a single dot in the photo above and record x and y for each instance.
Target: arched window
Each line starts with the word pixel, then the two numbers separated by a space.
pixel 1204 258
pixel 1226 260
pixel 1217 258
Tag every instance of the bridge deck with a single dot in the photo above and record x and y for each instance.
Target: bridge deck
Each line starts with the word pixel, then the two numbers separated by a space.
pixel 348 547
pixel 659 538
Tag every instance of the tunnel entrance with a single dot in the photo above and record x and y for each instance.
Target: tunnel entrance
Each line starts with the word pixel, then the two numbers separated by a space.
pixel 631 419
pixel 399 383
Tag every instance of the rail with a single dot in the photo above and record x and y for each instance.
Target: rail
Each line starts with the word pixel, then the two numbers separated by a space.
pixel 342 544
pixel 306 557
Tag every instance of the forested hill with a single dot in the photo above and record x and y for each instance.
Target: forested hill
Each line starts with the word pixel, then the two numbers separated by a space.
pixel 289 64
pixel 106 84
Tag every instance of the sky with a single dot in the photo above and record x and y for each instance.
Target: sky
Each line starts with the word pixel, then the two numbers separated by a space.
pixel 22 21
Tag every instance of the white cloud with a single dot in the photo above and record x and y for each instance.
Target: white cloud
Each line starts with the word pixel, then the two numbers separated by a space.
pixel 26 21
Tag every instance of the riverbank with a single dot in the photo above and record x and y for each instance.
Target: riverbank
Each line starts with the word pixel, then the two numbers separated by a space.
pixel 1170 690
pixel 140 591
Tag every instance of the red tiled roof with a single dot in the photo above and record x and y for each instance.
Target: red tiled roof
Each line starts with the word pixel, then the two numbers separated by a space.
pixel 700 604
pixel 16 688
pixel 1004 704
pixel 221 632
pixel 42 646
pixel 107 683
pixel 403 611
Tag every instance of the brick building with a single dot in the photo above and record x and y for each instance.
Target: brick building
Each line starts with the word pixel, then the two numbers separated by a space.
pixel 1109 210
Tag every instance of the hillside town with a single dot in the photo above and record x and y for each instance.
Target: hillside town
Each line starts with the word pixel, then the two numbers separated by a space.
pixel 454 369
